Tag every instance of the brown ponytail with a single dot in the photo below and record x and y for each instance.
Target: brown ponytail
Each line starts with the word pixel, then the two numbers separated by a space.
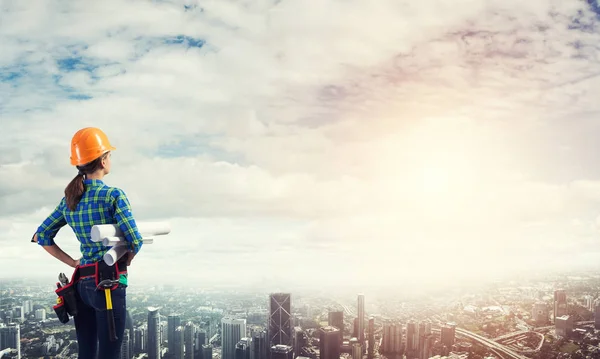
pixel 75 189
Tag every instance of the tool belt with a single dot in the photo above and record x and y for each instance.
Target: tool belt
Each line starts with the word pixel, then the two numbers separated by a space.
pixel 68 297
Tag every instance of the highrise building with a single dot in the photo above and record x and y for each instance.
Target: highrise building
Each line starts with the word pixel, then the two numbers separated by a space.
pixel 356 351
pixel 411 333
pixel 280 319
pixel 361 319
pixel 40 314
pixel 329 342
pixel 154 335
pixel 10 337
pixel 200 341
pixel 189 336
pixel 259 345
pixel 560 303
pixel 597 316
pixel 299 340
pixel 336 319
pixel 125 353
pixel 140 340
pixel 282 352
pixel 371 338
pixel 232 331
pixel 173 322
pixel 448 336
pixel 563 326
pixel 243 349
pixel 540 313
pixel 207 352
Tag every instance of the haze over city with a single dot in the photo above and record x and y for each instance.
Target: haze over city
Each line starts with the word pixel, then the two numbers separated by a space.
pixel 302 140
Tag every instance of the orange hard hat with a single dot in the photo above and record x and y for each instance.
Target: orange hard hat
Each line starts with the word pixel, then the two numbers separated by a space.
pixel 88 144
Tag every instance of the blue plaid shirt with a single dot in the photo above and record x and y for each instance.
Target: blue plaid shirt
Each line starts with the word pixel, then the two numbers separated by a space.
pixel 100 204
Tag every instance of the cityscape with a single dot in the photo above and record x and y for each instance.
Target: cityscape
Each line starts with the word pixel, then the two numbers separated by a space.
pixel 555 316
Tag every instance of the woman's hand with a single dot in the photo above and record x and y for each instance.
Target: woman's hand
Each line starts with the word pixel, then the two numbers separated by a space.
pixel 130 256
pixel 75 263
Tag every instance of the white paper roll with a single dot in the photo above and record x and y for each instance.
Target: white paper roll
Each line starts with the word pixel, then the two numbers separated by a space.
pixel 113 241
pixel 114 254
pixel 101 231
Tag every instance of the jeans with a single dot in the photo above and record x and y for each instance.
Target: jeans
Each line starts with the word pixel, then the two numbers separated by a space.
pixel 91 321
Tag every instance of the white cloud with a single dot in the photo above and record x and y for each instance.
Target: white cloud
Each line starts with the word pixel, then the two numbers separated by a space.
pixel 412 134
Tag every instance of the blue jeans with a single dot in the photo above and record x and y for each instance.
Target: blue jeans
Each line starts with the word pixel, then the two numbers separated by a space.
pixel 91 321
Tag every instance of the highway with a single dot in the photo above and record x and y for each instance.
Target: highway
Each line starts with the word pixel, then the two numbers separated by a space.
pixel 499 348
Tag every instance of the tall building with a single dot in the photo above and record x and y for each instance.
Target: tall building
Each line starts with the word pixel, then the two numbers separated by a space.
pixel 125 353
pixel 560 303
pixel 178 343
pixel 207 352
pixel 336 319
pixel 356 351
pixel 371 338
pixel 140 340
pixel 540 313
pixel 448 336
pixel 597 316
pixel 173 322
pixel 299 340
pixel 329 342
pixel 422 334
pixel 40 314
pixel 259 345
pixel 200 341
pixel 10 337
pixel 282 352
pixel 189 337
pixel 361 319
pixel 280 319
pixel 243 349
pixel 232 331
pixel 563 326
pixel 153 333
pixel 411 333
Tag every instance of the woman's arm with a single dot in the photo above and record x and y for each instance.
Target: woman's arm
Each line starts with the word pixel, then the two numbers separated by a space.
pixel 127 224
pixel 59 254
pixel 45 234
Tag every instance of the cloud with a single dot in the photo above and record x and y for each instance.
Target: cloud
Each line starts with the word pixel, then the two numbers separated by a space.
pixel 278 134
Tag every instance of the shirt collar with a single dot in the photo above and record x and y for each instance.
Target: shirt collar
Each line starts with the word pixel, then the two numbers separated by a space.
pixel 93 182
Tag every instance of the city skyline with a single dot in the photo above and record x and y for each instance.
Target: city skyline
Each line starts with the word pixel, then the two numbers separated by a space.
pixel 459 138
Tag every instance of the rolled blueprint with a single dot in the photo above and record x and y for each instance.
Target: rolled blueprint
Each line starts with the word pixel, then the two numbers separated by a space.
pixel 101 231
pixel 115 253
pixel 113 241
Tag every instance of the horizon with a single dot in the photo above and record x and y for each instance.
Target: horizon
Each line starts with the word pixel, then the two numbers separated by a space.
pixel 398 143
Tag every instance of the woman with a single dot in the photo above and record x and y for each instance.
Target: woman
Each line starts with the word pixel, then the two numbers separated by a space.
pixel 87 202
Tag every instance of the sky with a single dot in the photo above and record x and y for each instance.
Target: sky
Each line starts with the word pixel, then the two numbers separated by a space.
pixel 287 142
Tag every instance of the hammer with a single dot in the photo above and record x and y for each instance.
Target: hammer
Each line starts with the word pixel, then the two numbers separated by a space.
pixel 106 285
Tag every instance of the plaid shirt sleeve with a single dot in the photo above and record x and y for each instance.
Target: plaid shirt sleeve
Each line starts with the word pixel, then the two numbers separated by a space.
pixel 51 225
pixel 126 222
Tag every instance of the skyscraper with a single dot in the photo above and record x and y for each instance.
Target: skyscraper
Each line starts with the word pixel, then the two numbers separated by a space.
pixel 10 337
pixel 259 345
pixel 329 342
pixel 189 338
pixel 173 322
pixel 280 319
pixel 125 353
pixel 336 319
pixel 560 303
pixel 361 320
pixel 232 331
pixel 371 338
pixel 153 333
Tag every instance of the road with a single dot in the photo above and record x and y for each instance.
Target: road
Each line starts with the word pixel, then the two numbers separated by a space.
pixel 501 349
